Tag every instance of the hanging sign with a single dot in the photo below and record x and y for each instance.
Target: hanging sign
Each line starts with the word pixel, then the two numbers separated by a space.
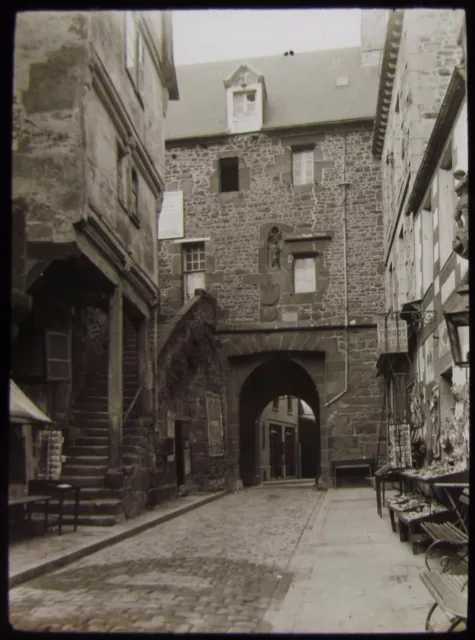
pixel 392 335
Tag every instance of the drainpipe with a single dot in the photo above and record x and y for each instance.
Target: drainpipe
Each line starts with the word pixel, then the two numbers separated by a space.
pixel 345 186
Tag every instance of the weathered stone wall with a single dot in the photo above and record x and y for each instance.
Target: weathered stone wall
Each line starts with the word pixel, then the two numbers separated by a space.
pixel 427 55
pixel 237 224
pixel 49 80
pixel 102 189
pixel 147 114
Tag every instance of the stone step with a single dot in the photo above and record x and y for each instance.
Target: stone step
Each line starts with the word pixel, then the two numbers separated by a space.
pixel 100 406
pixel 132 458
pixel 98 507
pixel 97 461
pixel 101 432
pixel 75 468
pixel 93 482
pixel 87 451
pixel 135 440
pixel 92 441
pixel 101 493
pixel 83 521
pixel 87 413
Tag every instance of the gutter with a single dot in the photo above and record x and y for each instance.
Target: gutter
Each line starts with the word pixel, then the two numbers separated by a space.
pixel 388 72
pixel 345 185
pixel 209 137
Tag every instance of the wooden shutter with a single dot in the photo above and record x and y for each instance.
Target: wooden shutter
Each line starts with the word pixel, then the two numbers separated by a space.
pixel 307 159
pixel 141 63
pixel 238 102
pixel 297 162
pixel 58 355
pixel 130 43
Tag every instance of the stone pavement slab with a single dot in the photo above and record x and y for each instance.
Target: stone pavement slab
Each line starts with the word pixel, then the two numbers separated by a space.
pixel 359 576
pixel 30 558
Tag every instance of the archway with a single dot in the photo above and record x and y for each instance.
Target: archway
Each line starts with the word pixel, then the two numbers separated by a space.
pixel 277 376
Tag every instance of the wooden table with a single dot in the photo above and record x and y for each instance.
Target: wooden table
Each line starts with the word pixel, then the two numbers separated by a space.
pixel 351 463
pixel 61 490
pixel 381 477
pixel 29 501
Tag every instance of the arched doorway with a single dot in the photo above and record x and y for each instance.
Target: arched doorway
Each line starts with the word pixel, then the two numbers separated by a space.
pixel 278 376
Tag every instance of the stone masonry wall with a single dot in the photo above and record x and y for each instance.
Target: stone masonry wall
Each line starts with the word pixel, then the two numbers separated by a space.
pixel 427 55
pixel 237 223
pixel 49 80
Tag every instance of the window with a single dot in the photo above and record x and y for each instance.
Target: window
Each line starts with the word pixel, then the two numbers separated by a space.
pixel 229 174
pixel 390 289
pixel 289 405
pixel 134 194
pixel 194 269
pixel 244 103
pixel 427 244
pixel 447 204
pixel 121 175
pixel 275 404
pixel 401 268
pixel 305 280
pixel 302 166
pixel 58 356
pixel 134 51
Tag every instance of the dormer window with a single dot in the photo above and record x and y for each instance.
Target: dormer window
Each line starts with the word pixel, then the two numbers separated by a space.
pixel 245 96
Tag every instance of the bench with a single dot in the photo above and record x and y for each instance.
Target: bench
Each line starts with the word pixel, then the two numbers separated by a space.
pixel 353 463
pixel 450 594
pixel 29 501
pixel 448 533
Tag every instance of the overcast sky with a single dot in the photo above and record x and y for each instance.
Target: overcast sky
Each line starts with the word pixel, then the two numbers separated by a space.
pixel 206 35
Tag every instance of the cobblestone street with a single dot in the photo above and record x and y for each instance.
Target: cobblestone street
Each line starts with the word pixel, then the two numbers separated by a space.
pixel 215 569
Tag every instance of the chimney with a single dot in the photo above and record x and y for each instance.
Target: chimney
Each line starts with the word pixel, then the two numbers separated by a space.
pixel 373 35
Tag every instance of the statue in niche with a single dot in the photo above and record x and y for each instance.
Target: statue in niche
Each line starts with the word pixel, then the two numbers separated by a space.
pixel 274 250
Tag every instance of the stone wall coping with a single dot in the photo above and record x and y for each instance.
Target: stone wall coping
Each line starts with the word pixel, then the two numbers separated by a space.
pixel 326 235
pixel 252 327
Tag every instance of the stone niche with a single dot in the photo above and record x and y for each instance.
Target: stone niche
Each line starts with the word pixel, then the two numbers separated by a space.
pixel 278 247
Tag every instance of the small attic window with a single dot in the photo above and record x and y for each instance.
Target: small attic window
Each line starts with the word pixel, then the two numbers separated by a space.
pixel 342 82
pixel 244 103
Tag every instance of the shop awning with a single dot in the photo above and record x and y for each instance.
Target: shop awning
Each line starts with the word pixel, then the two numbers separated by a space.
pixel 22 409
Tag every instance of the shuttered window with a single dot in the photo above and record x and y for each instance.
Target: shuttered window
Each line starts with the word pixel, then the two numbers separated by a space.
pixel 58 355
pixel 305 275
pixel 303 169
pixel 244 103
pixel 215 424
pixel 134 51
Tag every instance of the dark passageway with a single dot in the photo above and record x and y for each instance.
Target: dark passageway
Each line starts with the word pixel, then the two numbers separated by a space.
pixel 278 376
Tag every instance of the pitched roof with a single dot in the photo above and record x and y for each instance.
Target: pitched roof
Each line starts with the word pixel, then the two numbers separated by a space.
pixel 301 89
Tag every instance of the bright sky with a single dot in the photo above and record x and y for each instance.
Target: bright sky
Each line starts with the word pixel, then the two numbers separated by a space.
pixel 207 35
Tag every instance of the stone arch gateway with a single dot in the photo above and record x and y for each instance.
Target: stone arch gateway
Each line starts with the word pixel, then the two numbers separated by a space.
pixel 276 375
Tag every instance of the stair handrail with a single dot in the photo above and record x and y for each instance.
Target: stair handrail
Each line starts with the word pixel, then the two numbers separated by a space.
pixel 132 404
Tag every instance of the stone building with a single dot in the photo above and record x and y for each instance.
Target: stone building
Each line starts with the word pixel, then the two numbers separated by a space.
pixel 274 207
pixel 422 141
pixel 91 92
pixel 279 439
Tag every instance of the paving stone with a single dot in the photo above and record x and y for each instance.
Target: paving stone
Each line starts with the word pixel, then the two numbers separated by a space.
pixel 187 575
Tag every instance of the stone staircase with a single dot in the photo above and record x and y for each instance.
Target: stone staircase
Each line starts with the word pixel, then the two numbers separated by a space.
pixel 87 459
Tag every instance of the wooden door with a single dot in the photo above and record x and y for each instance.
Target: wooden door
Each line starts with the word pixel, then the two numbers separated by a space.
pixel 289 452
pixel 275 450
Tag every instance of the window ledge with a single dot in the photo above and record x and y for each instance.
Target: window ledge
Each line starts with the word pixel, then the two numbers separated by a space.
pixel 304 188
pixel 303 237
